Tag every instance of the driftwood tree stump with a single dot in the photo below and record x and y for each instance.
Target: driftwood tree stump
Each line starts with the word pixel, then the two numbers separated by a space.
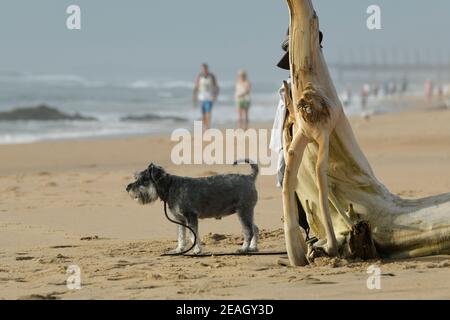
pixel 348 209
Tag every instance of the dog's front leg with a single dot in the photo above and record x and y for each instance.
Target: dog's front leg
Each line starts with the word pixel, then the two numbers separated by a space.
pixel 181 240
pixel 193 223
pixel 322 180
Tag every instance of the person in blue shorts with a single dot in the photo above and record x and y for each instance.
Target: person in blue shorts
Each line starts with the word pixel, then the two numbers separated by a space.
pixel 206 91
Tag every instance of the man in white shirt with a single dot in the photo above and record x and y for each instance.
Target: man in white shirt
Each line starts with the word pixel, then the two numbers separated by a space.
pixel 206 91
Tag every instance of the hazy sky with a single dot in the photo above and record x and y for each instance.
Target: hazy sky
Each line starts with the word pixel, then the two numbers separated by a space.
pixel 162 38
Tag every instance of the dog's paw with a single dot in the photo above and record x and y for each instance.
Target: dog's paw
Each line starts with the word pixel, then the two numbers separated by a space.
pixel 176 250
pixel 244 250
pixel 197 250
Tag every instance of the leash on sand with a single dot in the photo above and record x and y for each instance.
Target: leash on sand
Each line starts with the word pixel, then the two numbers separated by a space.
pixel 202 255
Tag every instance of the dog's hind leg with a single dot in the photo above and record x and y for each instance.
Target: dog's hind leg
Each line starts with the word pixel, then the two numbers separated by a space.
pixel 248 228
pixel 254 242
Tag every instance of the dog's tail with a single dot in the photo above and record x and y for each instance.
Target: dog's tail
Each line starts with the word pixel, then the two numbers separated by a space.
pixel 255 167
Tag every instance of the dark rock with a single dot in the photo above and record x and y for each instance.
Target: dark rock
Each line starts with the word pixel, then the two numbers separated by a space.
pixel 41 113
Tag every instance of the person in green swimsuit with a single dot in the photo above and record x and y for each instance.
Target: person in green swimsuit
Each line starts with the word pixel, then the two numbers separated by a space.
pixel 243 101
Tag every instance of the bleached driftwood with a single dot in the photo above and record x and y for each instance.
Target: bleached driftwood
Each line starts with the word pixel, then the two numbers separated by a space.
pixel 348 209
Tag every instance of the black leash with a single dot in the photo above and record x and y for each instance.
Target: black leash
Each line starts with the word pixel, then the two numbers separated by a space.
pixel 184 253
pixel 180 224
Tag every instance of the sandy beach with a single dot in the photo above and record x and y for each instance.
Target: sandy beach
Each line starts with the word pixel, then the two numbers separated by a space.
pixel 64 203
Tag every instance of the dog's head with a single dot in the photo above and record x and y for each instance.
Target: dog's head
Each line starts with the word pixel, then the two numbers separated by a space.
pixel 148 183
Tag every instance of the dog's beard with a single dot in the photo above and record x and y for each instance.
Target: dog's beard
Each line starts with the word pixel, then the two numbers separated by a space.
pixel 144 195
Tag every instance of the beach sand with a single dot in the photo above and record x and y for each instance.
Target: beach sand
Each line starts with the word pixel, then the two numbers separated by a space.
pixel 64 203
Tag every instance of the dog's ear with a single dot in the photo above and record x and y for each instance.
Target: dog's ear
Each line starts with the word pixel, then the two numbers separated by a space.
pixel 150 168
pixel 157 173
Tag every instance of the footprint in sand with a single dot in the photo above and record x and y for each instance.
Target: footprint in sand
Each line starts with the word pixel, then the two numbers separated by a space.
pixel 119 277
pixel 24 258
pixel 56 260
pixel 45 296
pixel 61 283
pixel 63 246
pixel 310 280
pixel 141 287
pixel 156 276
pixel 51 184
pixel 209 173
pixel 214 237
pixel 4 279
pixel 12 189
pixel 261 269
pixel 90 238
pixel 318 281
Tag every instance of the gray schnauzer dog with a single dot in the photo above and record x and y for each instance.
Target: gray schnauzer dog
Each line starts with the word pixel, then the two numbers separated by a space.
pixel 190 199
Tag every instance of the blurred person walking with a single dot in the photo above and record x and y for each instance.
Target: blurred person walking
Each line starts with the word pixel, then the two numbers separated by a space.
pixel 206 91
pixel 429 88
pixel 347 96
pixel 447 100
pixel 243 100
pixel 365 92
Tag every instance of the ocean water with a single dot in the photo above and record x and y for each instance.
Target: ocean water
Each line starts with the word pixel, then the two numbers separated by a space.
pixel 109 100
